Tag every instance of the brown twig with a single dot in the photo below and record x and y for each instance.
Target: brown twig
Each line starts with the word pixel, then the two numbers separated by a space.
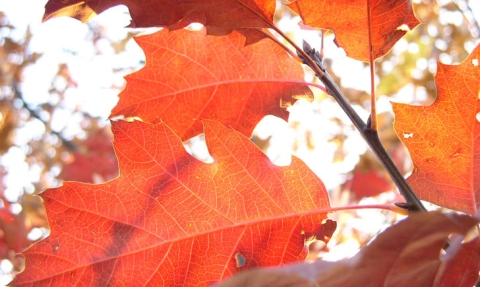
pixel 301 53
pixel 313 59
pixel 17 94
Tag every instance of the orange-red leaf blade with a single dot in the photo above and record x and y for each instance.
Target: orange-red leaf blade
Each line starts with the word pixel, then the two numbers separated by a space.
pixel 171 220
pixel 348 20
pixel 190 76
pixel 153 13
pixel 406 254
pixel 444 139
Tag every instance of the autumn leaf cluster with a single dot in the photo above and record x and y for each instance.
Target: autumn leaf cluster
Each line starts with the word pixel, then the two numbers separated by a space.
pixel 169 219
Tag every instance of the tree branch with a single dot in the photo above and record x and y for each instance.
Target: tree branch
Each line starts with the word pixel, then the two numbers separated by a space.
pixel 313 59
pixel 370 135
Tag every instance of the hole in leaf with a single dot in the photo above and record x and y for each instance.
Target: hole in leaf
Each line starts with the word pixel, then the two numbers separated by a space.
pixel 403 27
pixel 194 26
pixel 35 234
pixel 56 247
pixel 132 119
pixel 197 147
pixel 478 117
pixel 475 62
pixel 239 259
pixel 407 136
pixel 117 118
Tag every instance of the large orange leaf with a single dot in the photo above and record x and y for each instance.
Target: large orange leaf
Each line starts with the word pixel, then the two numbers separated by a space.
pixel 171 220
pixel 406 254
pixel 348 19
pixel 444 138
pixel 151 13
pixel 190 75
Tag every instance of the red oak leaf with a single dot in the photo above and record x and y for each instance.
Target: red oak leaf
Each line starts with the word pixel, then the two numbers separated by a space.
pixel 95 158
pixel 368 183
pixel 368 178
pixel 13 232
pixel 406 254
pixel 463 268
pixel 349 21
pixel 444 138
pixel 189 75
pixel 171 220
pixel 154 13
pixel 15 226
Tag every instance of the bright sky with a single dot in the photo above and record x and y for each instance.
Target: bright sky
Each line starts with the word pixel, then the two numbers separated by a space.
pixel 62 40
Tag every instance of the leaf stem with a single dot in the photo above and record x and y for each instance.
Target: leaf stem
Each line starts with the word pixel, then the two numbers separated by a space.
pixel 389 207
pixel 68 144
pixel 373 99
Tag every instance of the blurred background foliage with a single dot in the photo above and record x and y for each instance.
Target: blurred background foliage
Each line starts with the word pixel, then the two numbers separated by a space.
pixel 59 80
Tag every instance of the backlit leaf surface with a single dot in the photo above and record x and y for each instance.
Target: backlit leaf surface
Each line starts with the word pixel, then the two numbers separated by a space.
pixel 444 139
pixel 150 13
pixel 463 268
pixel 406 254
pixel 190 75
pixel 348 19
pixel 171 220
